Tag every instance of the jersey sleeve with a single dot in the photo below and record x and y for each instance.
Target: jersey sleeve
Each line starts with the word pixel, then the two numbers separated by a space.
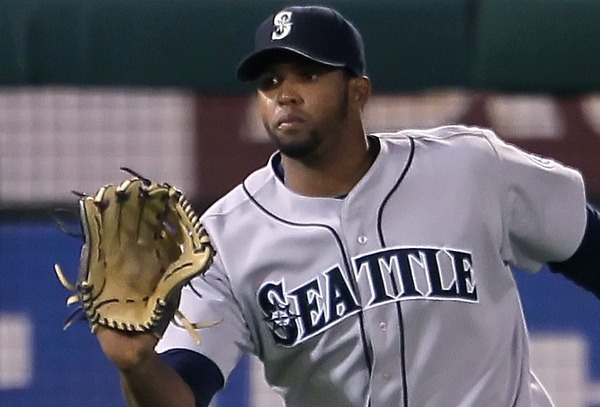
pixel 209 298
pixel 542 204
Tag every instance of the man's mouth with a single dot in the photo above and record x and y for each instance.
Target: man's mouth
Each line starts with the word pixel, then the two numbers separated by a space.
pixel 289 121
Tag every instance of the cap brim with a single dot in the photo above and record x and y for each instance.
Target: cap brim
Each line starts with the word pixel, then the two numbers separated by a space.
pixel 255 64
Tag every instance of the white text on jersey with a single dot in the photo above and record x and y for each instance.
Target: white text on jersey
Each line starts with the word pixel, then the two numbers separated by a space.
pixel 393 274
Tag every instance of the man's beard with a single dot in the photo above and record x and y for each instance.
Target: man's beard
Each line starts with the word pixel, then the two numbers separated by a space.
pixel 307 147
pixel 300 149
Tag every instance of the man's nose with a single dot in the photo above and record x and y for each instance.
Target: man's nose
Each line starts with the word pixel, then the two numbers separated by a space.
pixel 288 93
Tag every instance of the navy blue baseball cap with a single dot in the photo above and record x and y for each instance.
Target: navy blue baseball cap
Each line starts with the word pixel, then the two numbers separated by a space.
pixel 314 32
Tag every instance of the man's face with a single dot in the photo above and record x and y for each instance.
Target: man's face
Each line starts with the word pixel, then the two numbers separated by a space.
pixel 303 105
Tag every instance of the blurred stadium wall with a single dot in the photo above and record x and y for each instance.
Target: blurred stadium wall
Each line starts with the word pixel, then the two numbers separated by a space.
pixel 86 88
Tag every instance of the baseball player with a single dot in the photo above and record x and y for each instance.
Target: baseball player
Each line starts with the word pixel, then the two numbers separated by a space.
pixel 366 270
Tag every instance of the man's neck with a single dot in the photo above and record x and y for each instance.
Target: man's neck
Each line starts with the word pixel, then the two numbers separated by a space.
pixel 331 177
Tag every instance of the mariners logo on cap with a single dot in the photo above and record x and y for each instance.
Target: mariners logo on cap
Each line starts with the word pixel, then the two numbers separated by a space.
pixel 282 25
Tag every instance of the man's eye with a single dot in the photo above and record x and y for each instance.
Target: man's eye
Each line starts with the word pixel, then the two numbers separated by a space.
pixel 267 82
pixel 309 75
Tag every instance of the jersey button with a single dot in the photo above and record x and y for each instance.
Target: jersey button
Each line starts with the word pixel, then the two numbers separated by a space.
pixel 383 326
pixel 362 239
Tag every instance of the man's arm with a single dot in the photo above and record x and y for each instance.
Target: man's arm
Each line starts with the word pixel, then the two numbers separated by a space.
pixel 583 267
pixel 147 380
pixel 200 373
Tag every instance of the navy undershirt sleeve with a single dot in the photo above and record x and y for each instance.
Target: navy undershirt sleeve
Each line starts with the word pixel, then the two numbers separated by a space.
pixel 199 372
pixel 583 267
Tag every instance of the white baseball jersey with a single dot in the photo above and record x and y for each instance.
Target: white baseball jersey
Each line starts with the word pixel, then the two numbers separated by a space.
pixel 399 294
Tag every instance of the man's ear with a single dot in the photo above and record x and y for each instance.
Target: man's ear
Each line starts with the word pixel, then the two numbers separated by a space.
pixel 359 90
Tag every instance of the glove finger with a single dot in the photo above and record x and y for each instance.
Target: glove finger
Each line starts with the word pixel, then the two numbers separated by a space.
pixel 156 208
pixel 131 211
pixel 89 214
pixel 171 228
pixel 128 210
pixel 92 215
pixel 107 213
pixel 173 223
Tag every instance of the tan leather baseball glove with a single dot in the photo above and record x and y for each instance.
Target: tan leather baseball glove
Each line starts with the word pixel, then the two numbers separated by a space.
pixel 142 244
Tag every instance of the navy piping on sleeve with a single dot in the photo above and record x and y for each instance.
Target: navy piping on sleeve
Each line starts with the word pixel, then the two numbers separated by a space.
pixel 199 372
pixel 583 267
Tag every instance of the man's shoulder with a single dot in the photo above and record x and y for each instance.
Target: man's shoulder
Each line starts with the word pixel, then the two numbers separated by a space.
pixel 450 136
pixel 439 133
pixel 238 197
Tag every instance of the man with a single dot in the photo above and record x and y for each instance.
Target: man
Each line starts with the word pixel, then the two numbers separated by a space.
pixel 366 270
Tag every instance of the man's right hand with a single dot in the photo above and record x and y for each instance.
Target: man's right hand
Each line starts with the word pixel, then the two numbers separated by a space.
pixel 146 379
pixel 125 350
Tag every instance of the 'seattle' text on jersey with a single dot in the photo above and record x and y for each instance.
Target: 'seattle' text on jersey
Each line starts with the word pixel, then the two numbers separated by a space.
pixel 394 274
